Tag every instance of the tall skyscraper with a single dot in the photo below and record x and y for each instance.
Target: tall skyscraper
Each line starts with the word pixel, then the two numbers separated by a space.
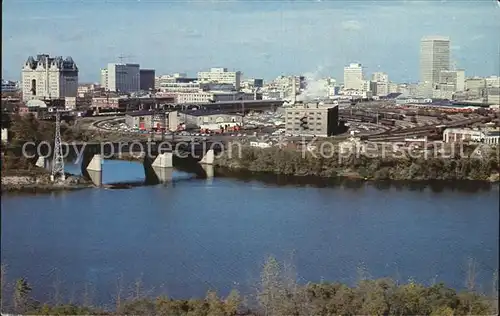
pixel 147 79
pixel 353 77
pixel 49 78
pixel 434 57
pixel 121 77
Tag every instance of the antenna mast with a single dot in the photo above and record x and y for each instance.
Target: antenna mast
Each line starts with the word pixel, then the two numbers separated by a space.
pixel 122 57
pixel 57 160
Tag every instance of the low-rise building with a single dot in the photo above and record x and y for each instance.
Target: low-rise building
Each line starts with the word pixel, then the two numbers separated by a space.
pixel 10 86
pixel 476 135
pixel 70 103
pixel 221 75
pixel 198 118
pixel 146 120
pixel 130 103
pixel 206 96
pixel 86 89
pixel 311 119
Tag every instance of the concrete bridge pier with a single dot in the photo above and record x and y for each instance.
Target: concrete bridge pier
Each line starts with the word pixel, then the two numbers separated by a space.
pixel 158 170
pixel 209 158
pixel 163 167
pixel 209 171
pixel 207 163
pixel 41 162
pixel 94 170
pixel 164 174
pixel 164 160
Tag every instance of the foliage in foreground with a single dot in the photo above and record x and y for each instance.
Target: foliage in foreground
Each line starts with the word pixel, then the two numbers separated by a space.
pixel 280 294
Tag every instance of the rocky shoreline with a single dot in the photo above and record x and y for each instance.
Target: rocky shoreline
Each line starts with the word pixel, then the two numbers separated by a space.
pixel 40 183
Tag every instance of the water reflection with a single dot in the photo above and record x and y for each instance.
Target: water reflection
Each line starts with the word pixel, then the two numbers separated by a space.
pixel 356 184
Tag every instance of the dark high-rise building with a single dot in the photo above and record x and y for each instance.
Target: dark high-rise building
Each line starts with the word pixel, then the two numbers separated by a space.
pixel 147 79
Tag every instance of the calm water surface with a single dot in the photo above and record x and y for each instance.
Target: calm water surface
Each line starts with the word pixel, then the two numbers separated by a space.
pixel 186 238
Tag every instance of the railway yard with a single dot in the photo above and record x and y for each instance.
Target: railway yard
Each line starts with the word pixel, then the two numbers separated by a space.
pixel 369 122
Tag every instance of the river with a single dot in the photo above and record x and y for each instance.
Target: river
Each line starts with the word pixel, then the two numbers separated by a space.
pixel 187 237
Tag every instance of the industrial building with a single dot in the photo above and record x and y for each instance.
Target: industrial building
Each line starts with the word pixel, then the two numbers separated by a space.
pixel 210 119
pixel 487 136
pixel 123 78
pixel 148 120
pixel 49 78
pixel 312 119
pixel 207 96
pixel 238 106
pixel 122 103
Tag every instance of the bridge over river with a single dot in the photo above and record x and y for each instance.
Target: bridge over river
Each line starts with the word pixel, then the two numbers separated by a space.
pixel 159 158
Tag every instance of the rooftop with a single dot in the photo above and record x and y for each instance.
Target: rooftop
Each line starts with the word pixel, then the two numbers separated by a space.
pixel 204 112
pixel 139 113
pixel 44 60
pixel 435 38
pixel 393 95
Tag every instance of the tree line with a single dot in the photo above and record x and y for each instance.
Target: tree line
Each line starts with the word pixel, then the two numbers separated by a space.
pixel 289 161
pixel 279 294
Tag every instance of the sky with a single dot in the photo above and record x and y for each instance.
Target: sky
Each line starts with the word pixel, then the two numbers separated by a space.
pixel 263 39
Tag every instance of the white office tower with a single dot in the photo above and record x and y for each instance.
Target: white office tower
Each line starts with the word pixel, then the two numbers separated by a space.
pixel 220 75
pixel 353 77
pixel 49 78
pixel 453 77
pixel 121 77
pixel 434 57
pixel 294 90
pixel 104 78
pixel 492 81
pixel 381 84
pixel 380 77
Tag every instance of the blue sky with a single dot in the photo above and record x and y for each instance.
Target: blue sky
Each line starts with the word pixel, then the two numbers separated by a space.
pixel 260 38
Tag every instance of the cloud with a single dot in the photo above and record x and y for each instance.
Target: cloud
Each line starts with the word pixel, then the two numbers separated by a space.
pixel 351 25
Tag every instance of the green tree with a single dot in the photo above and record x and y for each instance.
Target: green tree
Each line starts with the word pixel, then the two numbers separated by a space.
pixel 21 295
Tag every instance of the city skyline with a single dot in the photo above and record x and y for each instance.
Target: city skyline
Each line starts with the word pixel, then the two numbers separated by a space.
pixel 261 39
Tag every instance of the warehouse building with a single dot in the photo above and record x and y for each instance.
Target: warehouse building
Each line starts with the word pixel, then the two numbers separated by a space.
pixel 146 120
pixel 311 119
pixel 487 136
pixel 207 118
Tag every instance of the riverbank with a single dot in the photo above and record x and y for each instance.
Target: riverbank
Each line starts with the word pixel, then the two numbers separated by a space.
pixel 289 168
pixel 26 181
pixel 297 163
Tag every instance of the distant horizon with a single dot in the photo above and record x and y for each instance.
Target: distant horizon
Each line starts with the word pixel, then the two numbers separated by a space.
pixel 262 39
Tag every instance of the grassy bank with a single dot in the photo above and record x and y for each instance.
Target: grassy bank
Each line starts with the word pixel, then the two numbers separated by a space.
pixel 278 294
pixel 293 162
